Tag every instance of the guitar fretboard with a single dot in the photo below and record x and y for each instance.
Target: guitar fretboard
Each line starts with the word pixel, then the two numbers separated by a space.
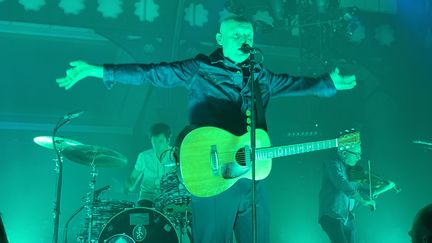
pixel 281 151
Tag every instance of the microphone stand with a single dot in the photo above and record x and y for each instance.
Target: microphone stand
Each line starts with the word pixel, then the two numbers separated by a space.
pixel 66 228
pixel 59 171
pixel 252 131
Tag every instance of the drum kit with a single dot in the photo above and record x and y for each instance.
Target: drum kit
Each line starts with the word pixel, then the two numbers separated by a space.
pixel 112 221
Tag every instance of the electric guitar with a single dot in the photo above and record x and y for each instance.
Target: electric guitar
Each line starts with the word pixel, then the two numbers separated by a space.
pixel 212 159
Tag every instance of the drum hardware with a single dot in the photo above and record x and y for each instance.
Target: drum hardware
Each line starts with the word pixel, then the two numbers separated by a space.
pixel 103 210
pixel 66 228
pixel 175 202
pixel 58 144
pixel 93 156
pixel 174 197
pixel 90 200
pixel 183 223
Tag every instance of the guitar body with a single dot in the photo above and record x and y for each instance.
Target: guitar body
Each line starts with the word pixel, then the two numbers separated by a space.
pixel 205 175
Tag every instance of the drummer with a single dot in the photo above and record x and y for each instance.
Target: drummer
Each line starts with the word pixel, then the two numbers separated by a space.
pixel 151 166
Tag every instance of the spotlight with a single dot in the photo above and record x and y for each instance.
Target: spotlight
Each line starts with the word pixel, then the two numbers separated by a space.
pixel 72 6
pixel 110 8
pixel 196 15
pixel 32 5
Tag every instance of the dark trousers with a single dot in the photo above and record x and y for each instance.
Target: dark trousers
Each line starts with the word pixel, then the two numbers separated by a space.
pixel 337 231
pixel 215 218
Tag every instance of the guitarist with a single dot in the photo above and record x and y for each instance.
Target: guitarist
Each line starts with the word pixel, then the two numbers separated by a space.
pixel 339 196
pixel 218 95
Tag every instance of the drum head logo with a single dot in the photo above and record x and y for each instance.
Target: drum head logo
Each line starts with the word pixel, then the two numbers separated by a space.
pixel 139 233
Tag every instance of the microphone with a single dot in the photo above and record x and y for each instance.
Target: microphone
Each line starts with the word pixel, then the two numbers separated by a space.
pixel 98 191
pixel 246 48
pixel 73 115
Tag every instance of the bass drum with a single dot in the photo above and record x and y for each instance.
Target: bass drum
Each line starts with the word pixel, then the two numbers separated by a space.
pixel 139 225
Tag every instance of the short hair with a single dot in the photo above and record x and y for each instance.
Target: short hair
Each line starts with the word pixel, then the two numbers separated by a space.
pixel 235 18
pixel 160 128
pixel 422 225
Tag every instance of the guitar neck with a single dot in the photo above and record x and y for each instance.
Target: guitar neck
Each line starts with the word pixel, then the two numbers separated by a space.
pixel 281 151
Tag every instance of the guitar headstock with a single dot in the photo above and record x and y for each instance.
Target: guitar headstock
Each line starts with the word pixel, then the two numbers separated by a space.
pixel 348 139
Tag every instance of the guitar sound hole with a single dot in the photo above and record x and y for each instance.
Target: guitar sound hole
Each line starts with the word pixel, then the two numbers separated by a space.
pixel 240 157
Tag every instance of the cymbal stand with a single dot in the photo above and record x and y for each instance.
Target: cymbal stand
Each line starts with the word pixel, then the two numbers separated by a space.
pixel 184 223
pixel 91 199
pixel 59 181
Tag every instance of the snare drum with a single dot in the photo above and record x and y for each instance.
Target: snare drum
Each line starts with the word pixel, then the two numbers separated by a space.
pixel 139 225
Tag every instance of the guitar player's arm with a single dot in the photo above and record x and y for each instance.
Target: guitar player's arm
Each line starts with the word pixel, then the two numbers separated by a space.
pixel 164 75
pixel 324 85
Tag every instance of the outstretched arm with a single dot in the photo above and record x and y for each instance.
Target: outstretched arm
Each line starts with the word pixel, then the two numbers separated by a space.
pixel 342 82
pixel 164 75
pixel 79 70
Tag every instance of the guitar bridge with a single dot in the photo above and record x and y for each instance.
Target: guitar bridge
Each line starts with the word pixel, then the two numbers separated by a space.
pixel 214 160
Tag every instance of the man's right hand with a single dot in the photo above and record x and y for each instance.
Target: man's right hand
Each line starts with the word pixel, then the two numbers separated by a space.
pixel 78 71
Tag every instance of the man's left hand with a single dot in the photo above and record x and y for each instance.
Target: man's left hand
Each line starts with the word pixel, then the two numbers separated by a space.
pixel 342 82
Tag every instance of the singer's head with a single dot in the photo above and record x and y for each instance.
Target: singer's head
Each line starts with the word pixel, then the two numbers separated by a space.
pixel 233 33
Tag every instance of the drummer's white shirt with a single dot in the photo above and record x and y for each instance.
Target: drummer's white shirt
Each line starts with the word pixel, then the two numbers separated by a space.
pixel 151 172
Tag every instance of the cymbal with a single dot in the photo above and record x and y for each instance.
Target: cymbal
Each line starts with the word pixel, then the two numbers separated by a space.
pixel 422 142
pixel 101 156
pixel 61 143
